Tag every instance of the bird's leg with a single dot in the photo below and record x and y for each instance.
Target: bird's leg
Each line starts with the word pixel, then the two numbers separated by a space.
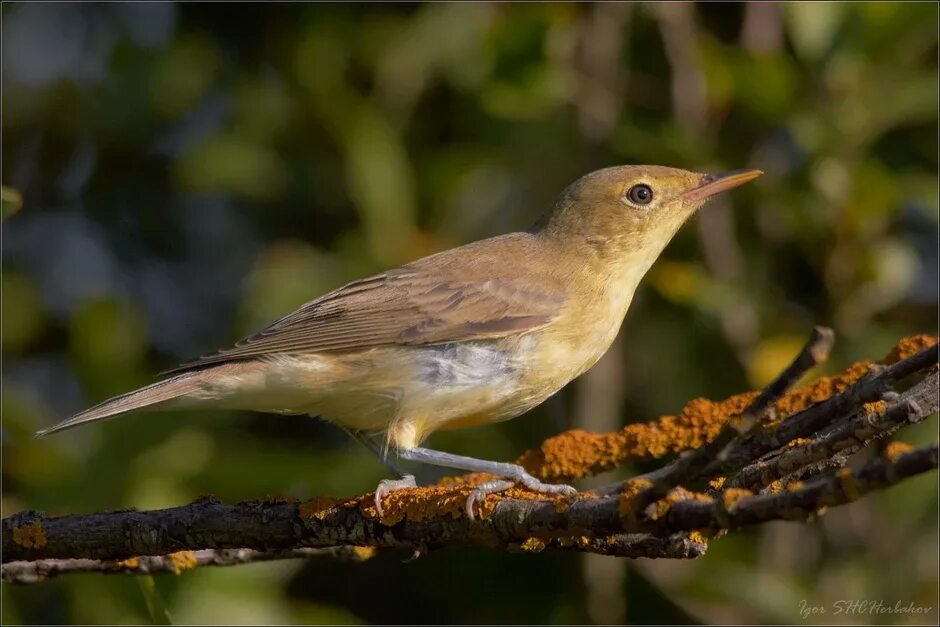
pixel 404 480
pixel 512 474
pixel 376 448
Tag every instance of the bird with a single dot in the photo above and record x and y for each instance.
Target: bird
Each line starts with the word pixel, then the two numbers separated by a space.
pixel 470 336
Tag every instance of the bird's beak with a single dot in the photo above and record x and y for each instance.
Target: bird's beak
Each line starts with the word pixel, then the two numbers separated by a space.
pixel 712 184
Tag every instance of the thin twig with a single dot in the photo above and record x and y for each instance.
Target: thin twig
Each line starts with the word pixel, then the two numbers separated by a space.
pixel 844 438
pixel 817 349
pixel 800 501
pixel 807 422
pixel 175 563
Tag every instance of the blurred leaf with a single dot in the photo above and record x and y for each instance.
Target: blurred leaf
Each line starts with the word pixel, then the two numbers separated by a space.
pixel 252 595
pixel 380 178
pixel 22 313
pixel 155 605
pixel 771 356
pixel 108 342
pixel 262 109
pixel 445 37
pixel 766 83
pixel 11 199
pixel 184 454
pixel 184 74
pixel 686 284
pixel 812 27
pixel 230 164
pixel 883 25
pixel 873 198
pixel 108 332
pixel 286 275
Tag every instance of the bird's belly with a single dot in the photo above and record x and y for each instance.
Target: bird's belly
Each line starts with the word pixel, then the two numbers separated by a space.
pixel 408 391
pixel 461 385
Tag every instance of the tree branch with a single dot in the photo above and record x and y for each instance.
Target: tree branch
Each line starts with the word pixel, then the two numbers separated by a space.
pixel 816 350
pixel 774 441
pixel 40 570
pixel 874 420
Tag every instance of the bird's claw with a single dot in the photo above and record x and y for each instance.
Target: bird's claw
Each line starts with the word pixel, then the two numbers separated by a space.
pixel 386 486
pixel 528 481
pixel 481 491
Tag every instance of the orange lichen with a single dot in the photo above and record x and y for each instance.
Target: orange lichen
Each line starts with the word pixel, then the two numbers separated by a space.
pixel 579 453
pixel 318 507
pixel 877 407
pixel 698 538
pixel 31 535
pixel 731 496
pixel 820 389
pixel 716 483
pixel 793 487
pixel 533 545
pixel 561 503
pixel 182 560
pixel 448 498
pixel 364 552
pixel 131 563
pixel 674 496
pixel 797 442
pixel 909 346
pixel 660 509
pixel 849 486
pixel 896 450
pixel 630 490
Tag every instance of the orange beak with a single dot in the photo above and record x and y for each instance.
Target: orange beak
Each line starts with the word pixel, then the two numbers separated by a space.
pixel 712 184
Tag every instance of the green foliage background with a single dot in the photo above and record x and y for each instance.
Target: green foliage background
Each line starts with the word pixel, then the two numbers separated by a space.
pixel 191 172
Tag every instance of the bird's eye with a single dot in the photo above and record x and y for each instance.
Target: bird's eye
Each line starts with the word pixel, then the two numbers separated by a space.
pixel 640 194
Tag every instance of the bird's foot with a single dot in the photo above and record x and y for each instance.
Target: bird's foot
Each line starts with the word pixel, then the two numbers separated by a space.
pixel 510 474
pixel 387 486
pixel 528 481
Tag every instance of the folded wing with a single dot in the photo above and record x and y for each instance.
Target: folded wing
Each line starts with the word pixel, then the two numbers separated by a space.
pixel 488 289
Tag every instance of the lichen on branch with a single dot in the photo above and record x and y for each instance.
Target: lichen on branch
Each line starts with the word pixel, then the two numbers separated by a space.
pixel 576 453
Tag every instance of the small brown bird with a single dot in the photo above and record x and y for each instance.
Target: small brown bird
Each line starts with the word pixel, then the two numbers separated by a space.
pixel 469 336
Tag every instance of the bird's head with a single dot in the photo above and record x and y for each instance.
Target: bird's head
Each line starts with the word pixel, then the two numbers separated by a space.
pixel 632 210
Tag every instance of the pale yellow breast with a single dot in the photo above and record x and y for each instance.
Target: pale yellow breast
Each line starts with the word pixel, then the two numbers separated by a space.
pixel 578 340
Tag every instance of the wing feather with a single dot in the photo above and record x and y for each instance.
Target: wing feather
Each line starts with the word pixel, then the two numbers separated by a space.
pixel 457 295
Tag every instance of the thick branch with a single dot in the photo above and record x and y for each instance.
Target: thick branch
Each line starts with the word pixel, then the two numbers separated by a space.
pixel 271 526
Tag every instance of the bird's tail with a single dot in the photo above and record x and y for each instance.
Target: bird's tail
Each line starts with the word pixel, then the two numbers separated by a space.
pixel 150 396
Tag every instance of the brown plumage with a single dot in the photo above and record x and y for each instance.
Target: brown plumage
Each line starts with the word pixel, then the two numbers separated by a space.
pixel 466 293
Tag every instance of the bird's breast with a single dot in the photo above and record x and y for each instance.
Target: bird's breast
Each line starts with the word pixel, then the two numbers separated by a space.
pixel 587 328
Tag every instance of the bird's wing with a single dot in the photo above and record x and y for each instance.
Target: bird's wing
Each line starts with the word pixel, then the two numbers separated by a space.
pixel 467 293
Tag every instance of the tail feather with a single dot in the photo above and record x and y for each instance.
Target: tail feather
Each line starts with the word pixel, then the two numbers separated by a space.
pixel 148 396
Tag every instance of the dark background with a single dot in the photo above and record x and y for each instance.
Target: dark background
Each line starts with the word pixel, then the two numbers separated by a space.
pixel 191 172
